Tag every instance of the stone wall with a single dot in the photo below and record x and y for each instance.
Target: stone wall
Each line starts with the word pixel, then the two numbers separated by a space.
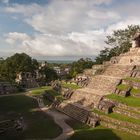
pixel 120 125
pixel 126 112
pixel 7 88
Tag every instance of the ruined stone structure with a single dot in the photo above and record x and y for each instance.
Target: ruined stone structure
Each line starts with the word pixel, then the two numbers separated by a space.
pixel 104 80
pixel 82 80
pixel 7 88
pixel 26 80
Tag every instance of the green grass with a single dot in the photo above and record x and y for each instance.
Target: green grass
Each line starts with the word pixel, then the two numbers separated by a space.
pixel 133 91
pixel 38 124
pixel 40 90
pixel 119 117
pixel 123 87
pixel 72 85
pixel 131 101
pixel 83 132
pixel 133 79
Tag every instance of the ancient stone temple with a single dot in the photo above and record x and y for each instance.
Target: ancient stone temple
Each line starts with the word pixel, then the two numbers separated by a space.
pixel 103 80
pixel 26 80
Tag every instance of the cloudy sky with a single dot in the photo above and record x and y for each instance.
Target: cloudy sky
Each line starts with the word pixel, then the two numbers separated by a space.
pixel 50 29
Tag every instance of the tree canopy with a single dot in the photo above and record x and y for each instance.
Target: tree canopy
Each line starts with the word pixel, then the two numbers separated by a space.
pixel 120 42
pixel 80 65
pixel 16 63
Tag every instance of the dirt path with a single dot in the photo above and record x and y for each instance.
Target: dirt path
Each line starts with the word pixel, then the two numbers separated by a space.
pixel 59 119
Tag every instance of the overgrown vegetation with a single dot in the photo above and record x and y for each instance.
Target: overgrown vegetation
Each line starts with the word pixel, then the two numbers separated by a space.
pixel 120 42
pixel 131 101
pixel 80 65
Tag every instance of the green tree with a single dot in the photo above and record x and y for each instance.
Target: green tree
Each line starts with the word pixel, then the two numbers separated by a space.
pixel 79 66
pixel 17 63
pixel 49 74
pixel 120 42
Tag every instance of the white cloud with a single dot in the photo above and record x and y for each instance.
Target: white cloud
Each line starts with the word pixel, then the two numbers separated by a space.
pixel 13 37
pixel 123 24
pixel 60 17
pixel 68 27
pixel 53 45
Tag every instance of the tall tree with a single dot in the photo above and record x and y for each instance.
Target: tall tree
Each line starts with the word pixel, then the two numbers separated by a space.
pixel 120 42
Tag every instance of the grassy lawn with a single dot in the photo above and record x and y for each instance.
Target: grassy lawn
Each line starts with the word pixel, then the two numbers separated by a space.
pixel 38 124
pixel 123 87
pixel 72 85
pixel 133 79
pixel 133 91
pixel 131 101
pixel 83 132
pixel 40 90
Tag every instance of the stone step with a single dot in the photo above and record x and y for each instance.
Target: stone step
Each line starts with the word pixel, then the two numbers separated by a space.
pixel 74 111
pixel 125 112
pixel 128 108
pixel 120 122
pixel 87 97
pixel 121 128
pixel 118 70
pixel 104 83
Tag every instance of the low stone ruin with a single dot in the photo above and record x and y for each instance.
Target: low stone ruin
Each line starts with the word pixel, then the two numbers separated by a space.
pixel 93 120
pixel 106 106
pixel 48 96
pixel 56 85
pixel 123 93
pixel 136 40
pixel 67 92
pixel 82 80
pixel 7 88
pixel 27 79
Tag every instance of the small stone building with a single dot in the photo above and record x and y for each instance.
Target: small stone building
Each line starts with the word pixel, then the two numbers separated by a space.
pixel 7 88
pixel 106 106
pixel 27 79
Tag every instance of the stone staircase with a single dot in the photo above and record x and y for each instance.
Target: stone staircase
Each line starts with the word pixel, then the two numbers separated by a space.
pixel 104 83
pixel 125 112
pixel 79 113
pixel 87 97
pixel 75 111
pixel 116 70
pixel 82 101
pixel 120 125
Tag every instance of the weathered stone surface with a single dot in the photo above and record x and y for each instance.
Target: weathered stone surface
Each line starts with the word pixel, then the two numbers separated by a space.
pixel 124 106
pixel 123 93
pixel 75 111
pixel 136 40
pixel 126 112
pixel 93 120
pixel 120 125
pixel 68 93
pixel 106 106
pixel 27 80
pixel 56 85
pixel 7 88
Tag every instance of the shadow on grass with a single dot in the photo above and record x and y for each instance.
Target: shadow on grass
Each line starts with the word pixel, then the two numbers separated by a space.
pixel 94 134
pixel 38 125
pixel 84 132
